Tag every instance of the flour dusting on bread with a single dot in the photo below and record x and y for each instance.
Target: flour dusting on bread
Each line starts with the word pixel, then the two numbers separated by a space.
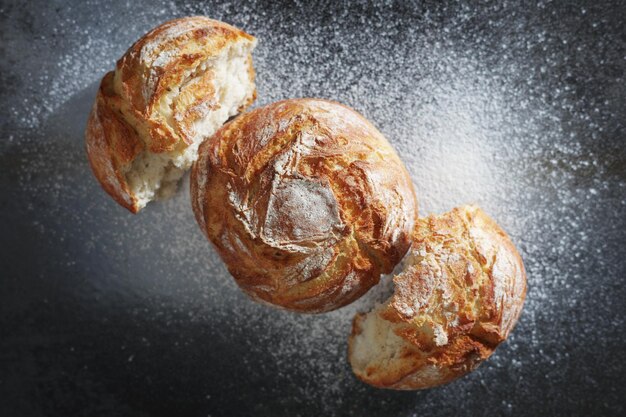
pixel 156 175
pixel 170 91
pixel 450 308
pixel 315 193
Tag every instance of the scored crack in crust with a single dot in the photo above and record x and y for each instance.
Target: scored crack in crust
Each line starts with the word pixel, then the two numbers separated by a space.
pixel 460 293
pixel 173 88
pixel 306 203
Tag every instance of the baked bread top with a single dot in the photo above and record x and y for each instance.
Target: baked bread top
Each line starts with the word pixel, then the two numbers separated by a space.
pixel 305 201
pixel 173 88
pixel 165 81
pixel 460 293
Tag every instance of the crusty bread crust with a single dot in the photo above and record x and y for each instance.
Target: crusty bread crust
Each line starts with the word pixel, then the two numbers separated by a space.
pixel 460 293
pixel 128 118
pixel 112 144
pixel 305 201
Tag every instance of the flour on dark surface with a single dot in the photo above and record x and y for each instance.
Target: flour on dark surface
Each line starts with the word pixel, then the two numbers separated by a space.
pixel 519 109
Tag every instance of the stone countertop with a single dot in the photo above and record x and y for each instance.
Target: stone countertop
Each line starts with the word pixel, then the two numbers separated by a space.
pixel 518 108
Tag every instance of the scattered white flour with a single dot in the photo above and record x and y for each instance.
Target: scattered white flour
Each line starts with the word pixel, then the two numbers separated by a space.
pixel 484 106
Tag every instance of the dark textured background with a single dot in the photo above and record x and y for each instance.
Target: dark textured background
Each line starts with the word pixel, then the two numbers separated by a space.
pixel 519 108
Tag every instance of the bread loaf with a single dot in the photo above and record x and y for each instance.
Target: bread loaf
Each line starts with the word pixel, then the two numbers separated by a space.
pixel 173 88
pixel 305 201
pixel 459 295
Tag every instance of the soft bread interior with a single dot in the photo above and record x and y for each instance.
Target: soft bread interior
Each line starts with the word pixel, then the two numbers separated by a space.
pixel 378 352
pixel 382 358
pixel 154 176
pixel 376 346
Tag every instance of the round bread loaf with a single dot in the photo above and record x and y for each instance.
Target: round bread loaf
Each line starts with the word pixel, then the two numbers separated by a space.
pixel 460 293
pixel 172 89
pixel 306 202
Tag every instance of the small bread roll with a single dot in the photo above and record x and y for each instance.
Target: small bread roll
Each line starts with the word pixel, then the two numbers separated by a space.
pixel 172 89
pixel 460 293
pixel 306 202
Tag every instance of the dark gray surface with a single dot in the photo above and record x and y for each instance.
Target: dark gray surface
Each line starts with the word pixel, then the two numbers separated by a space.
pixel 521 109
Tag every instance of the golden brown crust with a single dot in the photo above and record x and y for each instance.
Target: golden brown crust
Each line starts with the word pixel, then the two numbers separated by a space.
pixel 133 102
pixel 460 294
pixel 305 201
pixel 161 60
pixel 111 144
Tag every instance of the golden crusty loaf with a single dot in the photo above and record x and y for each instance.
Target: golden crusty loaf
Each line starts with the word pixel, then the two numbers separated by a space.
pixel 460 293
pixel 173 88
pixel 305 201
